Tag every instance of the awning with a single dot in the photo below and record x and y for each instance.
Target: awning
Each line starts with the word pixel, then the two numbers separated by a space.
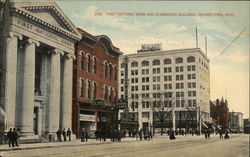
pixel 204 125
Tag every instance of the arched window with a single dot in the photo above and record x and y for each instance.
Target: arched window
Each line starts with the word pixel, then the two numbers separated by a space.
pixel 88 63
pixel 145 63
pixel 82 61
pixel 110 71
pixel 191 59
pixel 123 65
pixel 110 94
pixel 115 73
pixel 115 96
pixel 89 90
pixel 81 88
pixel 94 90
pixel 106 93
pixel 167 61
pixel 134 64
pixel 94 65
pixel 156 62
pixel 106 69
pixel 179 60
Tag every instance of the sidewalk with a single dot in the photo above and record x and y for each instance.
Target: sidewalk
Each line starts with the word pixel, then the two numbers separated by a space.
pixel 76 142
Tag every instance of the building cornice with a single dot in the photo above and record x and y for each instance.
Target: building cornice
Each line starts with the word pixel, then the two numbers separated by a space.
pixel 166 52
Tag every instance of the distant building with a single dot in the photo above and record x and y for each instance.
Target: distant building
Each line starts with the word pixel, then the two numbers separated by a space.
pixel 166 82
pixel 247 126
pixel 219 112
pixel 236 122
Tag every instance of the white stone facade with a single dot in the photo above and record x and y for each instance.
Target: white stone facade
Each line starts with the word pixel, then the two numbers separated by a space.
pixel 188 82
pixel 39 53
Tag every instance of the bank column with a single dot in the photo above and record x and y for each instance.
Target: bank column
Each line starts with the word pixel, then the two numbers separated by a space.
pixel 27 108
pixel 66 97
pixel 54 94
pixel 10 85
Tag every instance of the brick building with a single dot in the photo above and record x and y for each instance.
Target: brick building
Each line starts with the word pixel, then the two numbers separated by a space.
pixel 95 85
pixel 219 112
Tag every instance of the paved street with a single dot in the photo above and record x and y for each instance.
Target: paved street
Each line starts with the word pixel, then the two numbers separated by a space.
pixel 189 146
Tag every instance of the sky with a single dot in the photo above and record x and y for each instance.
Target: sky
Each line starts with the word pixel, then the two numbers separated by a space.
pixel 225 24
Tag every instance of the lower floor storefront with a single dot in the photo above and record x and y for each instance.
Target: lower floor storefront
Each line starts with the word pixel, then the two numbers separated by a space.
pixel 93 118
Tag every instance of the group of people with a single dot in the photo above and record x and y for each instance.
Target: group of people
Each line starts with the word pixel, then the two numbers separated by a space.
pixel 63 133
pixel 84 135
pixel 221 134
pixel 13 136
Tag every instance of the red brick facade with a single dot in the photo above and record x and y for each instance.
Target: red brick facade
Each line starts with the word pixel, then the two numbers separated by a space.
pixel 95 77
pixel 219 112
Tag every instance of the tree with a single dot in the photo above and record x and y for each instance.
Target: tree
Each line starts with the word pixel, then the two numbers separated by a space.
pixel 160 107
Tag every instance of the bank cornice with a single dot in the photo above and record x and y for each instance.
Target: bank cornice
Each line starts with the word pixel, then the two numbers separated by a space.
pixel 73 34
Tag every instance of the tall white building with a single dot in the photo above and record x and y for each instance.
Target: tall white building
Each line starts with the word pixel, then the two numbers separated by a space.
pixel 161 83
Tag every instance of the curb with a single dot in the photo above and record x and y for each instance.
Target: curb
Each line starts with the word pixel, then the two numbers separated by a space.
pixel 66 145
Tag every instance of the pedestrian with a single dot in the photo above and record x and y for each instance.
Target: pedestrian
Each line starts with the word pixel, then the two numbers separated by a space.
pixel 104 135
pixel 150 135
pixel 83 135
pixel 86 135
pixel 64 134
pixel 226 135
pixel 15 137
pixel 137 135
pixel 96 135
pixel 69 134
pixel 172 136
pixel 208 133
pixel 10 137
pixel 221 134
pixel 58 133
pixel 140 134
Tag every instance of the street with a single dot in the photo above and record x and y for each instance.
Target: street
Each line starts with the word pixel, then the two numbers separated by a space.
pixel 161 146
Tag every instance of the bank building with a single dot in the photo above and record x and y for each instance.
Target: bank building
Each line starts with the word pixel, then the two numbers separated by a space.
pixel 37 52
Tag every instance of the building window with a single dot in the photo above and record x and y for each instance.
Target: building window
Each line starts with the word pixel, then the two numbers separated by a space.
pixel 110 71
pixel 81 86
pixel 89 90
pixel 134 72
pixel 88 63
pixel 145 71
pixel 145 63
pixel 145 114
pixel 167 61
pixel 122 73
pixel 156 62
pixel 168 78
pixel 191 59
pixel 94 90
pixel 82 61
pixel 156 70
pixel 179 60
pixel 106 93
pixel 110 95
pixel 123 65
pixel 115 73
pixel 191 93
pixel 134 64
pixel 94 65
pixel 106 69
pixel 167 70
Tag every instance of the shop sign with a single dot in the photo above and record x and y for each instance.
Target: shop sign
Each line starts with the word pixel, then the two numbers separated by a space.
pixel 85 117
